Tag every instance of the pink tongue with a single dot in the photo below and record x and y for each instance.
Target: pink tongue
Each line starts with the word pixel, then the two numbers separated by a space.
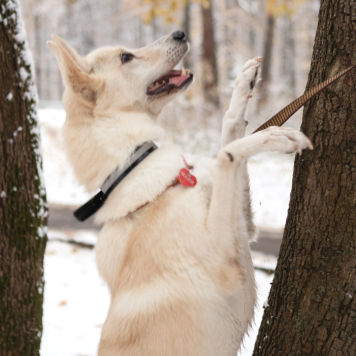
pixel 177 81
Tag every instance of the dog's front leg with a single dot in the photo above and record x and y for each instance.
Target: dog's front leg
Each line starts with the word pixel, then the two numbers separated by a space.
pixel 234 127
pixel 232 256
pixel 234 121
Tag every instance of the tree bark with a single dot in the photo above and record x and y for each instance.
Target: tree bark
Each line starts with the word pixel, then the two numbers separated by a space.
pixel 23 208
pixel 312 304
pixel 210 68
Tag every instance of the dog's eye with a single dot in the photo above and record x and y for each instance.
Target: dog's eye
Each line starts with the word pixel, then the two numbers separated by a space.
pixel 126 57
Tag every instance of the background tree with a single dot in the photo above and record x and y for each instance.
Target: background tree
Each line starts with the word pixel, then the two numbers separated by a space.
pixel 186 26
pixel 267 57
pixel 288 55
pixel 22 196
pixel 169 11
pixel 210 68
pixel 278 9
pixel 312 306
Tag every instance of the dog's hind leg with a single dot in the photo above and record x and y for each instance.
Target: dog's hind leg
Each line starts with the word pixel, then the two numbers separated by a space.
pixel 230 242
pixel 234 127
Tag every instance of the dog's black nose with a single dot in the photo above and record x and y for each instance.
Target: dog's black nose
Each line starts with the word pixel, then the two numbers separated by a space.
pixel 179 35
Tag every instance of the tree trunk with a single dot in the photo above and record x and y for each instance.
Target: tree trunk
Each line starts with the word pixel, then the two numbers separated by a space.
pixel 187 30
pixel 38 52
pixel 210 68
pixel 23 208
pixel 312 306
pixel 288 55
pixel 267 60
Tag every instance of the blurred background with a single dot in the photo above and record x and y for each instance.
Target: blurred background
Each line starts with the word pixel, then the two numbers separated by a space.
pixel 223 35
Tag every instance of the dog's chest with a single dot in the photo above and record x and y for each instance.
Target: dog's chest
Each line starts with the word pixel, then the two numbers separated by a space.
pixel 160 238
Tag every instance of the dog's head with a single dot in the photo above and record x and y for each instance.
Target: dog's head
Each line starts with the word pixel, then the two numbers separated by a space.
pixel 121 79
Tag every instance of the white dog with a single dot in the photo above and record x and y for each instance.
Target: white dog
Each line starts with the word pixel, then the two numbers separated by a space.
pixel 174 247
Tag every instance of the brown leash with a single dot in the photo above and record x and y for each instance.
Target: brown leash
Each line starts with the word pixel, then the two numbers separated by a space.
pixel 280 118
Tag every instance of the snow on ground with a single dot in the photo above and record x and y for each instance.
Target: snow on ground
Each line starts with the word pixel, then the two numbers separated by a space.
pixel 271 183
pixel 76 299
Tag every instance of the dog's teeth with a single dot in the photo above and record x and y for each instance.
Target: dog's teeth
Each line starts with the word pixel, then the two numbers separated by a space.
pixel 184 72
pixel 154 86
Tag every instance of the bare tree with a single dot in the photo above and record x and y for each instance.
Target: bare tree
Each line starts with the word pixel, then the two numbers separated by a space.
pixel 312 304
pixel 23 208
pixel 288 55
pixel 210 68
pixel 187 30
pixel 267 59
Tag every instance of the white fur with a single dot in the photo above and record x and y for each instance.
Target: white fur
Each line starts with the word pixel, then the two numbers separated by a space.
pixel 179 269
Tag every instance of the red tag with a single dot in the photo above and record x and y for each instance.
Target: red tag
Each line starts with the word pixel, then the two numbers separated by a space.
pixel 187 179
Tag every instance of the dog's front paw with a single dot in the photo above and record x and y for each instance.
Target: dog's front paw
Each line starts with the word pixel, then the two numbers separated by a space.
pixel 285 140
pixel 251 63
pixel 249 76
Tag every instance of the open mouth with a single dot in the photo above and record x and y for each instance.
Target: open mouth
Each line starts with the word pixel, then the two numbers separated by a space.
pixel 175 79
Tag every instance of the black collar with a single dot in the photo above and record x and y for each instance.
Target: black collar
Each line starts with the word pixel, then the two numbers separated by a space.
pixel 95 203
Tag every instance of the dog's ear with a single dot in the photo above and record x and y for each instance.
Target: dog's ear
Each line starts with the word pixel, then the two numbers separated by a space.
pixel 75 70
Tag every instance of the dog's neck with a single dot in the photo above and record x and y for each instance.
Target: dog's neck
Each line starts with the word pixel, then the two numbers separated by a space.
pixel 96 146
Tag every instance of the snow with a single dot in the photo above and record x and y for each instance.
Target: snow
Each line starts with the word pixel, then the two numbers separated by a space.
pixel 271 183
pixel 23 74
pixel 10 6
pixel 9 96
pixel 76 299
pixel 263 282
pixel 62 188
